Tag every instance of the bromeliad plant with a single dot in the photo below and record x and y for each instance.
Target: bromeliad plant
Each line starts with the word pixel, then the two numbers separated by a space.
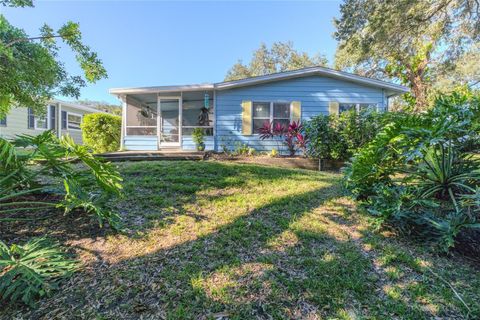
pixel 293 134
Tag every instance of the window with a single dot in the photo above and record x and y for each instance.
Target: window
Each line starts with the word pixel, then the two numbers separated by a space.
pixel 343 107
pixel 31 119
pixel 41 122
pixel 52 116
pixel 73 121
pixel 261 115
pixel 3 121
pixel 270 112
pixel 281 113
pixel 64 119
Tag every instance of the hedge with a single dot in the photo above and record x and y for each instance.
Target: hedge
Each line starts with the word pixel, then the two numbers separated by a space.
pixel 101 132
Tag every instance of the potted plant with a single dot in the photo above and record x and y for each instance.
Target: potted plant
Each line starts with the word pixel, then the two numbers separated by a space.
pixel 197 137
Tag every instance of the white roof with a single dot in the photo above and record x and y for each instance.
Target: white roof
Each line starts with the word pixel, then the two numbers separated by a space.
pixel 392 89
pixel 77 106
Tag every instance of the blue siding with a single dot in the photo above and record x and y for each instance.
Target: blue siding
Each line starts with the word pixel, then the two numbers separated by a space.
pixel 147 143
pixel 188 144
pixel 313 92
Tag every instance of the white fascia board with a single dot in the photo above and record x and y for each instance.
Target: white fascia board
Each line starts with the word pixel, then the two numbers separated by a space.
pixel 398 89
pixel 140 90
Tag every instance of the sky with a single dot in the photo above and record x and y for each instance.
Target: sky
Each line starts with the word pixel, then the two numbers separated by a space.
pixel 153 43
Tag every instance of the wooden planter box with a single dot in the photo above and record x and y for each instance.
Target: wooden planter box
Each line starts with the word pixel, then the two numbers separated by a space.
pixel 287 162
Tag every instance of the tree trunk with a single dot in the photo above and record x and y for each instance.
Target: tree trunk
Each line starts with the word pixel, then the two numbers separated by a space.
pixel 418 87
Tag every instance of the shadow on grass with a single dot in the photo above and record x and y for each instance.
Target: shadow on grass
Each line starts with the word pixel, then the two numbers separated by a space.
pixel 261 265
pixel 158 193
pixel 275 261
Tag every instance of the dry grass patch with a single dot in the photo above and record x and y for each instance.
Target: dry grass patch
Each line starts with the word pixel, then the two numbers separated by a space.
pixel 212 240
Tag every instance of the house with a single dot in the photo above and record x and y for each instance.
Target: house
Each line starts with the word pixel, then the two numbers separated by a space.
pixel 231 112
pixel 58 114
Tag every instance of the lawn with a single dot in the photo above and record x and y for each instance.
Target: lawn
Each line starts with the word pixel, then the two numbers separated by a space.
pixel 217 240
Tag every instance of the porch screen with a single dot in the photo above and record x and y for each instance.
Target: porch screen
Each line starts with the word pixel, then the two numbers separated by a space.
pixel 196 115
pixel 141 117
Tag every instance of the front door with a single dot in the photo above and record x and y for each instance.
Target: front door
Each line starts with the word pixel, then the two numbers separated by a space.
pixel 169 122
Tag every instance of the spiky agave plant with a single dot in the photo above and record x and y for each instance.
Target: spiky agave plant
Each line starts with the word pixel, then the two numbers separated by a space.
pixel 445 174
pixel 32 270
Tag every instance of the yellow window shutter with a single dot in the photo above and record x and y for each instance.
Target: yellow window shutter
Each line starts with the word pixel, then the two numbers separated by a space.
pixel 296 111
pixel 246 117
pixel 333 108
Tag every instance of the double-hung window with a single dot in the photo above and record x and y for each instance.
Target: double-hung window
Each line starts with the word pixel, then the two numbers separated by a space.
pixel 343 107
pixel 270 112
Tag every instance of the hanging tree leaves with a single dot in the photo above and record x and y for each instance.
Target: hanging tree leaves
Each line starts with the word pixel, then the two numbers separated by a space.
pixel 31 72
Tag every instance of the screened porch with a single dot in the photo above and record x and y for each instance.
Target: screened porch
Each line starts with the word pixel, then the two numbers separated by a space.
pixel 155 121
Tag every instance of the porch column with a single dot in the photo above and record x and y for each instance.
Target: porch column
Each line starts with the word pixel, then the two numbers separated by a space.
pixel 123 130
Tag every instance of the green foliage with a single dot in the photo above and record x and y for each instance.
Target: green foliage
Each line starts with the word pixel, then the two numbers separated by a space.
pixel 101 132
pixel 54 157
pixel 197 137
pixel 33 62
pixel 32 270
pixel 281 57
pixel 241 149
pixel 339 137
pixel 418 174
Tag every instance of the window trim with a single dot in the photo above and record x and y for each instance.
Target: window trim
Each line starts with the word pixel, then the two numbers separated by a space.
pixel 68 122
pixel 271 117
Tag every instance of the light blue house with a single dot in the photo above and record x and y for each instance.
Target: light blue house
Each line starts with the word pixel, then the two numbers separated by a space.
pixel 156 118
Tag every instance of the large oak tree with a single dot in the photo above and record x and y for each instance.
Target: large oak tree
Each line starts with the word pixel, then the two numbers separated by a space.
pixel 417 42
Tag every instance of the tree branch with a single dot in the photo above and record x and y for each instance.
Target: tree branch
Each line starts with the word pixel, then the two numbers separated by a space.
pixel 14 41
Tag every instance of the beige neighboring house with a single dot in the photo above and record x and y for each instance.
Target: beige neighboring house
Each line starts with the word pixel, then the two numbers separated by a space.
pixel 59 114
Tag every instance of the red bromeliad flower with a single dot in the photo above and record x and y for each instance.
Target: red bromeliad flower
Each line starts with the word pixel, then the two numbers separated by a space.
pixel 294 138
pixel 266 131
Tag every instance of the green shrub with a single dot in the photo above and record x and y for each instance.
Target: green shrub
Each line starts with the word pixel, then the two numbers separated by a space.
pixel 418 175
pixel 33 270
pixel 197 137
pixel 101 132
pixel 339 137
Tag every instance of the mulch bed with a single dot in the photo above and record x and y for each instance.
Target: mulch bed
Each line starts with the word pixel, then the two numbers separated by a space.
pixel 49 221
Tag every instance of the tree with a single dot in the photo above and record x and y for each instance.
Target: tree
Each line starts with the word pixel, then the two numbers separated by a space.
pixel 281 57
pixel 414 41
pixel 31 72
pixel 102 106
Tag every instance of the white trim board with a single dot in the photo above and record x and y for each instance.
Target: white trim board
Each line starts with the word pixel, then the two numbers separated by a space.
pixel 394 89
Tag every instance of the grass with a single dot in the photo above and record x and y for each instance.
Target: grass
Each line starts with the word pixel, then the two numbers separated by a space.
pixel 213 240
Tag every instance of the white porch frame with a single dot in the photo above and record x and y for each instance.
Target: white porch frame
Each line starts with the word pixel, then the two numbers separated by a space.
pixel 160 145
pixel 159 121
